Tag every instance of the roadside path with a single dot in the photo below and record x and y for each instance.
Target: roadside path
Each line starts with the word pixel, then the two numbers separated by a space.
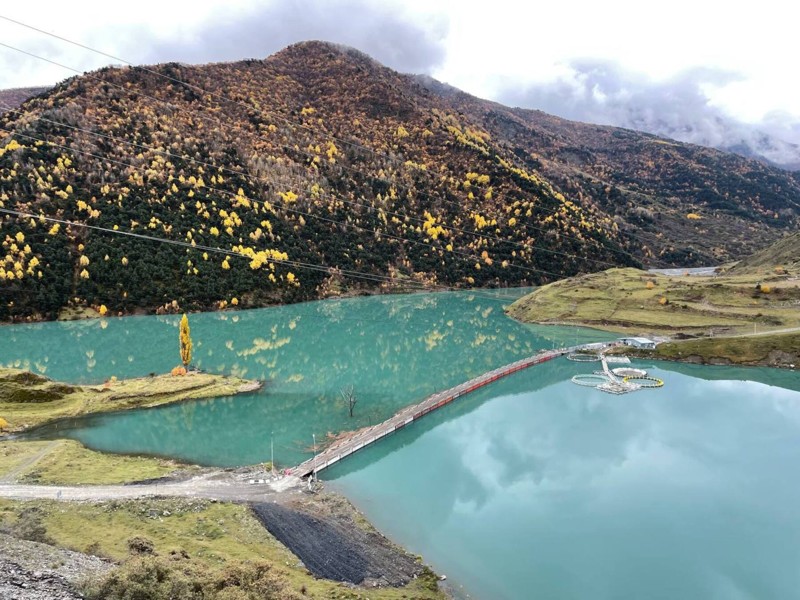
pixel 26 465
pixel 769 332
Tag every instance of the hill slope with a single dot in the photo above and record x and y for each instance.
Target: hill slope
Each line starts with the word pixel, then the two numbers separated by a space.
pixel 761 292
pixel 321 156
pixel 686 204
pixel 783 255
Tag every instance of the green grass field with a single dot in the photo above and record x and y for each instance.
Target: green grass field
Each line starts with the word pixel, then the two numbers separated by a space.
pixel 635 301
pixel 28 400
pixel 740 350
pixel 67 462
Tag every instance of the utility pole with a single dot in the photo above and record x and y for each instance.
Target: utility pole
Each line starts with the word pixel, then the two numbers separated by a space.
pixel 314 472
pixel 272 452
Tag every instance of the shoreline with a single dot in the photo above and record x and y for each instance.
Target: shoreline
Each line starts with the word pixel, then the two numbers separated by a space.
pixel 332 544
pixel 54 478
pixel 29 401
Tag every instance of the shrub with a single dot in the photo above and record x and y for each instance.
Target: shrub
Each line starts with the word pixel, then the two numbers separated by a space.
pixel 140 545
pixel 179 578
pixel 29 526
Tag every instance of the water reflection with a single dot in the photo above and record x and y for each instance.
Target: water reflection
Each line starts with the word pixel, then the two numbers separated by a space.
pixel 674 493
pixel 393 350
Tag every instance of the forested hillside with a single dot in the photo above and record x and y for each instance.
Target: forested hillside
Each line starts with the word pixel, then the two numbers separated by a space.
pixel 319 172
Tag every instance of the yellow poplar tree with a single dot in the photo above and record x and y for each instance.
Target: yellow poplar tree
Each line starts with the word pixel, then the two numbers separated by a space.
pixel 185 341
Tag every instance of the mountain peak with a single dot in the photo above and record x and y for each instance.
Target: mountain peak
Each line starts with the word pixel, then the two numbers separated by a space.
pixel 323 156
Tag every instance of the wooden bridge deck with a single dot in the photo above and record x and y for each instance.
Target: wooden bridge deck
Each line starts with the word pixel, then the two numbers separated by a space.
pixel 357 440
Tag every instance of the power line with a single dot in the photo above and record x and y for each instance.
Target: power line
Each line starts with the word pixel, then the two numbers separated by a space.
pixel 473 257
pixel 312 215
pixel 401 283
pixel 344 201
pixel 201 247
pixel 249 108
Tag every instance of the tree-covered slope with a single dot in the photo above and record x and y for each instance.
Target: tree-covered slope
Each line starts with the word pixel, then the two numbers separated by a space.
pixel 317 164
pixel 317 155
pixel 684 204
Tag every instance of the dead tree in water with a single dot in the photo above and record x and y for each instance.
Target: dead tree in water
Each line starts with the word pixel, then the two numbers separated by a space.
pixel 349 396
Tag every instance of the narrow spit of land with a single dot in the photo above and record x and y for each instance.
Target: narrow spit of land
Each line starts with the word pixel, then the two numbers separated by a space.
pixel 28 400
pixel 638 302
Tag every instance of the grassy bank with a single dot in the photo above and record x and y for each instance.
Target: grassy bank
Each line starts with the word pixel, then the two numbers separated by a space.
pixel 28 400
pixel 638 302
pixel 67 462
pixel 768 350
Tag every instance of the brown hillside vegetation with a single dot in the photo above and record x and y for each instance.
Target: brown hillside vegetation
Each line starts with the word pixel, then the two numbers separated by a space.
pixel 14 97
pixel 320 156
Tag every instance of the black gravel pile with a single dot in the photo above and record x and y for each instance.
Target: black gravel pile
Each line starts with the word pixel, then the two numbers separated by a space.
pixel 335 548
pixel 324 549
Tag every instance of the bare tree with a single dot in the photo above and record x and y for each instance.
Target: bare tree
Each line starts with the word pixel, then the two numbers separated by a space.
pixel 349 395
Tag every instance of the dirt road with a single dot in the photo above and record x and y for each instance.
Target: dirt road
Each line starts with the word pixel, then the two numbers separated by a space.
pixel 220 485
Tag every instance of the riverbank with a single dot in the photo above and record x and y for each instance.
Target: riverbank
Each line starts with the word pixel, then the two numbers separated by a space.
pixel 28 400
pixel 636 302
pixel 776 350
pixel 192 526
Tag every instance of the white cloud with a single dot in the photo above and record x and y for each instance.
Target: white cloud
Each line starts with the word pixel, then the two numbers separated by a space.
pixel 493 50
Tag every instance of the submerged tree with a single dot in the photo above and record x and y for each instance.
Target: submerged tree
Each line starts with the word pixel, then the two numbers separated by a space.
pixel 185 341
pixel 349 396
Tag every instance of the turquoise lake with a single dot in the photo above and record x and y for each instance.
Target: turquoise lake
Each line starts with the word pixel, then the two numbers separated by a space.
pixel 532 487
pixel 393 351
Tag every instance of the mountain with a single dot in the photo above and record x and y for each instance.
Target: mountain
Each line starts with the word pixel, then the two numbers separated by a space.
pixel 13 98
pixel 750 141
pixel 318 163
pixel 684 204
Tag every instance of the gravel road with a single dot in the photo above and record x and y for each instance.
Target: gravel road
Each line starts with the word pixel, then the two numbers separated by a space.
pixel 219 485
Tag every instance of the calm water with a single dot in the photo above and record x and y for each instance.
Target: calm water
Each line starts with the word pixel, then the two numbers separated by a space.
pixel 530 488
pixel 537 488
pixel 393 350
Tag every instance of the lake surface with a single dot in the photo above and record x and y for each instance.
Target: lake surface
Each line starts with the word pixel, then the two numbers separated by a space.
pixel 537 488
pixel 532 487
pixel 393 350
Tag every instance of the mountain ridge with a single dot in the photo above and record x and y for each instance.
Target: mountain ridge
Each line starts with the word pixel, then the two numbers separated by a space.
pixel 322 156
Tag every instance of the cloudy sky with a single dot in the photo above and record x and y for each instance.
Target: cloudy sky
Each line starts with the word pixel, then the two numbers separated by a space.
pixel 700 70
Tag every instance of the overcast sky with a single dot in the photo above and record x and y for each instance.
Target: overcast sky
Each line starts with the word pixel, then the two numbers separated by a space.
pixel 617 62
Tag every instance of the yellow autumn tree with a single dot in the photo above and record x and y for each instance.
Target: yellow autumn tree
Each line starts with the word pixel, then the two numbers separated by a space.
pixel 185 341
pixel 3 424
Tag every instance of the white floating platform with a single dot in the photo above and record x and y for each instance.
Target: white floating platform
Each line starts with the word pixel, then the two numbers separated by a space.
pixel 618 360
